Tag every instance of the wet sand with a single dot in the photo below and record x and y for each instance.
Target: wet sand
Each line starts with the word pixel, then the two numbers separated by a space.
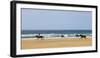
pixel 33 43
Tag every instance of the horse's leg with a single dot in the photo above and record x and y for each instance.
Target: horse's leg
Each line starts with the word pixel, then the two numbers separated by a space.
pixel 82 37
pixel 38 38
pixel 41 38
pixel 85 37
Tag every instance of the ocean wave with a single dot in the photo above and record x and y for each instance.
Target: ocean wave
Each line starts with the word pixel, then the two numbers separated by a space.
pixel 51 35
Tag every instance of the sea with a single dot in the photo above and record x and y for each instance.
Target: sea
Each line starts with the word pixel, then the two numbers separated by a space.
pixel 54 33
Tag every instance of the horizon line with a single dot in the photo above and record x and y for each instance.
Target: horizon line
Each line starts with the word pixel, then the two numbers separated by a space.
pixel 59 29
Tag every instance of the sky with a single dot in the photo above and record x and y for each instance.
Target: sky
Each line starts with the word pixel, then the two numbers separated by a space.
pixel 36 19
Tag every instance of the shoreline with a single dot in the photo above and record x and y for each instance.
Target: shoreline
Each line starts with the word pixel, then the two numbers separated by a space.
pixel 46 38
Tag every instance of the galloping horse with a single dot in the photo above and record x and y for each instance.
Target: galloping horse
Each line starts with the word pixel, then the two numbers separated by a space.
pixel 39 36
pixel 82 36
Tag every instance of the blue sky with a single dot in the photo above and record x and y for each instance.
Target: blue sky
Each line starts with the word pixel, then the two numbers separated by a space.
pixel 35 19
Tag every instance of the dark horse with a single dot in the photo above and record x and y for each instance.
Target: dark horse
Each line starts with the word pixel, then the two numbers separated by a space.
pixel 62 36
pixel 82 36
pixel 39 36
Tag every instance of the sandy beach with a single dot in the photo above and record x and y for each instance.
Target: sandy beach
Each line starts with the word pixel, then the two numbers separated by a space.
pixel 33 43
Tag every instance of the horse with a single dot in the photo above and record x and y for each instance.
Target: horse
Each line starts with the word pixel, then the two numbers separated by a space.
pixel 39 37
pixel 82 36
pixel 62 36
pixel 77 35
